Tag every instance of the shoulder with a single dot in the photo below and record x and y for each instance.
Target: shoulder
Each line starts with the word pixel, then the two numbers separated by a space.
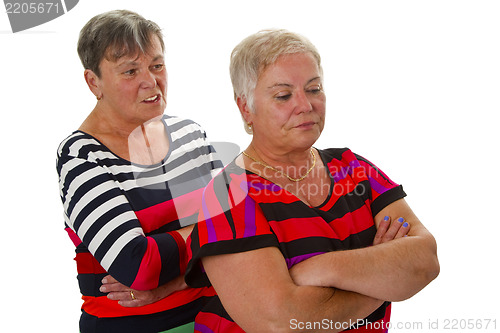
pixel 336 156
pixel 174 122
pixel 344 156
pixel 81 147
pixel 74 143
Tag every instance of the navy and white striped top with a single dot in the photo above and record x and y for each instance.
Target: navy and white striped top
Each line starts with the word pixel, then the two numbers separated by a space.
pixel 121 216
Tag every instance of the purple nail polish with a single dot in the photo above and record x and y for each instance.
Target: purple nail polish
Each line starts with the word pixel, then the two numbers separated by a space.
pixel 386 218
pixel 400 220
pixel 405 224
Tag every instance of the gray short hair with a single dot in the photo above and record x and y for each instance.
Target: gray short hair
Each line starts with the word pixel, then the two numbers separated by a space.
pixel 114 34
pixel 250 57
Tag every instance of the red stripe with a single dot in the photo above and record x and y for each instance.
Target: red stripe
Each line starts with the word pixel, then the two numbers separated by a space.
pixel 148 274
pixel 181 245
pixel 154 217
pixel 353 223
pixel 104 307
pixel 341 228
pixel 72 235
pixel 87 264
pixel 292 229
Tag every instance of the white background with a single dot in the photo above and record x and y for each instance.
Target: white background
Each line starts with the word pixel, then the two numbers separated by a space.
pixel 415 85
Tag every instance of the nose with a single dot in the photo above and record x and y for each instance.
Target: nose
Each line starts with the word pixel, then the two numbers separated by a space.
pixel 148 80
pixel 302 103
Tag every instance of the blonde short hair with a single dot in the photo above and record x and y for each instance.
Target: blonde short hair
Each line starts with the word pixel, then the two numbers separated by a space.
pixel 252 55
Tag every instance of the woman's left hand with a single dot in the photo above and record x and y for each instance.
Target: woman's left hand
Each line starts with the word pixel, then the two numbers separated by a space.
pixel 130 298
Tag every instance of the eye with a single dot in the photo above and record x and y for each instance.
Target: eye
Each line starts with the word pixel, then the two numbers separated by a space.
pixel 283 96
pixel 130 72
pixel 158 67
pixel 316 89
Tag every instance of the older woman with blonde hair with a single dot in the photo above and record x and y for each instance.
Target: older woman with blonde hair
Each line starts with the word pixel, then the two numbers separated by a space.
pixel 130 179
pixel 293 237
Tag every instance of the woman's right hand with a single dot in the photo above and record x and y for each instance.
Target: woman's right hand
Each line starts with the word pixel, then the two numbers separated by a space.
pixel 308 271
pixel 131 298
pixel 389 230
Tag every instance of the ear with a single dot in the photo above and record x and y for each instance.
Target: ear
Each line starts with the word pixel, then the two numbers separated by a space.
pixel 93 82
pixel 245 111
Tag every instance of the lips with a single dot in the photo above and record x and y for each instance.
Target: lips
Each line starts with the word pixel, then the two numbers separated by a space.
pixel 306 124
pixel 152 99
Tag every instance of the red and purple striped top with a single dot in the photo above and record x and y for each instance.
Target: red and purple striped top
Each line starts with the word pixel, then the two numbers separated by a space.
pixel 242 211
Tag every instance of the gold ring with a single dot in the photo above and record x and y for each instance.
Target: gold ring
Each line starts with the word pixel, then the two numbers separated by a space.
pixel 132 295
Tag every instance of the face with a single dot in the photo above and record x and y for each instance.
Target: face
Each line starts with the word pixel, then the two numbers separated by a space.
pixel 134 88
pixel 289 104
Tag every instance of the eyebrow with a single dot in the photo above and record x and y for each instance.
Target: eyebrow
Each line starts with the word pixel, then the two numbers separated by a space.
pixel 290 85
pixel 134 62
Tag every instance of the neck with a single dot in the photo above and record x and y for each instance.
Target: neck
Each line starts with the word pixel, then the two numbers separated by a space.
pixel 296 158
pixel 294 166
pixel 103 121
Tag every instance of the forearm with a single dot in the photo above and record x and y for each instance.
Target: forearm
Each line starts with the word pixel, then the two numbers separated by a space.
pixel 392 271
pixel 328 309
pixel 261 297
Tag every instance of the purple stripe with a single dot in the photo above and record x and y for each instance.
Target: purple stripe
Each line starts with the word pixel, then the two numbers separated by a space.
pixel 344 171
pixel 211 234
pixel 295 260
pixel 250 226
pixel 377 187
pixel 202 328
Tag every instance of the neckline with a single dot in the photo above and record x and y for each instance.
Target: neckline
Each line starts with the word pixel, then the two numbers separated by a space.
pixel 330 192
pixel 167 155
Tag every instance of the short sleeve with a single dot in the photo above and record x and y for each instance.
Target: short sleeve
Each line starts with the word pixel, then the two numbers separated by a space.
pixel 230 221
pixel 383 190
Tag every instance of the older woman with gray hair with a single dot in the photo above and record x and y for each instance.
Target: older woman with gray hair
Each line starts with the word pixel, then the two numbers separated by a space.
pixel 130 179
pixel 293 237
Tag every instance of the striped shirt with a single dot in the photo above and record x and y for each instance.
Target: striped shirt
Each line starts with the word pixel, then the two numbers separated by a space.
pixel 242 211
pixel 122 219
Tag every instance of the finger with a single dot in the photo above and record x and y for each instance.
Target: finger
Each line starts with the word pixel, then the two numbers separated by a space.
pixel 120 296
pixel 132 304
pixel 393 230
pixel 111 287
pixel 403 231
pixel 382 229
pixel 125 298
pixel 108 279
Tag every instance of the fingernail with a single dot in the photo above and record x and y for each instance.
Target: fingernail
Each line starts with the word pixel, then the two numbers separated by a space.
pixel 400 220
pixel 386 218
pixel 405 224
pixel 104 281
pixel 102 289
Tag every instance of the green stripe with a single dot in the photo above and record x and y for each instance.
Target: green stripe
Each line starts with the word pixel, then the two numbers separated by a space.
pixel 187 328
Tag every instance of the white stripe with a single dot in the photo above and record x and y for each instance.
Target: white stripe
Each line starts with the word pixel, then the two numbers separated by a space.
pixel 96 213
pixel 63 143
pixel 168 176
pixel 110 226
pixel 184 131
pixel 82 179
pixel 120 243
pixel 67 167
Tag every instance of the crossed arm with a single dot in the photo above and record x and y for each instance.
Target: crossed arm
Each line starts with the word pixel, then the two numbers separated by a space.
pixel 392 270
pixel 343 286
pixel 121 293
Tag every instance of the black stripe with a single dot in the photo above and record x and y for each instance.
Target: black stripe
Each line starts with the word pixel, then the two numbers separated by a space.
pixel 151 323
pixel 387 198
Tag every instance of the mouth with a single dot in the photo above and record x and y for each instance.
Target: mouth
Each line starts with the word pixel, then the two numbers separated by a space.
pixel 306 124
pixel 153 99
